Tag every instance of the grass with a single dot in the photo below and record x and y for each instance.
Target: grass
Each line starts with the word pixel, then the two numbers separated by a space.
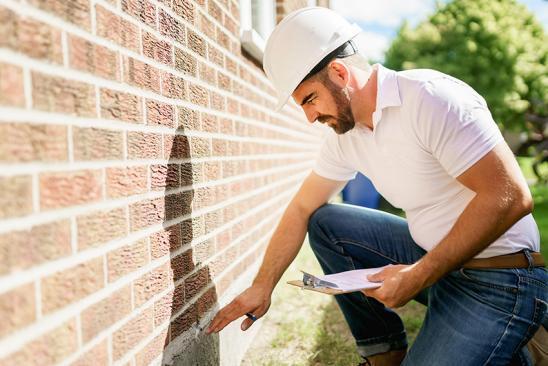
pixel 308 329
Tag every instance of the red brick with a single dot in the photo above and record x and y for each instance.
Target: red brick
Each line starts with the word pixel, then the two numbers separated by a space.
pixel 65 189
pixel 116 29
pixel 203 251
pixel 185 9
pixel 12 91
pixel 47 349
pixel 164 176
pixel 182 265
pixel 173 86
pixel 185 62
pixel 28 248
pixel 207 74
pixel 70 285
pixel 215 55
pixel 59 95
pixel 177 205
pixel 176 147
pixel 198 95
pixel 95 356
pixel 196 43
pixel 146 213
pixel 184 321
pixel 144 145
pixel 196 282
pixel 119 105
pixel 157 49
pixel 206 26
pixel 152 350
pixel 123 182
pixel 140 74
pixel 127 337
pixel 172 28
pixel 18 308
pixel 178 298
pixel 126 259
pixel 106 312
pixel 163 308
pixel 142 10
pixel 164 242
pixel 200 147
pixel 217 101
pixel 220 147
pixel 160 114
pixel 100 227
pixel 189 119
pixel 212 170
pixel 15 196
pixel 224 81
pixel 23 142
pixel 187 175
pixel 89 57
pixel 73 11
pixel 151 283
pixel 31 37
pixel 97 144
pixel 206 302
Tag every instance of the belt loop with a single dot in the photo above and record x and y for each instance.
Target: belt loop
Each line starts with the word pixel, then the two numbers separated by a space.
pixel 529 257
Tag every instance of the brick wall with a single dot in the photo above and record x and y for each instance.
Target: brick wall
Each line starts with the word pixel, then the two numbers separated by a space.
pixel 142 171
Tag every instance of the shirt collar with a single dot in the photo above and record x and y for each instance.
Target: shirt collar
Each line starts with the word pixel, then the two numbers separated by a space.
pixel 388 92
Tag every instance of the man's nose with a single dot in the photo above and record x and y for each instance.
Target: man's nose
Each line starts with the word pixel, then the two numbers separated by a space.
pixel 311 115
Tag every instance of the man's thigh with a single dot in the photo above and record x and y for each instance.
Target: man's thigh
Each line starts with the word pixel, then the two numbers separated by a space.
pixel 372 238
pixel 480 317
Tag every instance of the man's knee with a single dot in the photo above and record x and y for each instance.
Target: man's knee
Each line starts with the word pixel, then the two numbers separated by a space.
pixel 318 222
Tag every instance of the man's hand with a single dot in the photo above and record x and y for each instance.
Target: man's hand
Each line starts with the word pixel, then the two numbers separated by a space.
pixel 254 300
pixel 400 284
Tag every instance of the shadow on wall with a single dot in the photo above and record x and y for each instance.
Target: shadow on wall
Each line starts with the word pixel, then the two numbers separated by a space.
pixel 185 343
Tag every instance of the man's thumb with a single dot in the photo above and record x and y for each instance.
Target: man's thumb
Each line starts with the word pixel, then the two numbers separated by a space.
pixel 246 324
pixel 376 277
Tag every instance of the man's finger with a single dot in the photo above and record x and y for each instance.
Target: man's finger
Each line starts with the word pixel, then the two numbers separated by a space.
pixel 377 277
pixel 246 324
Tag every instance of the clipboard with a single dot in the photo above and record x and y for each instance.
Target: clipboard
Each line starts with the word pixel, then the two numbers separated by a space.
pixel 323 290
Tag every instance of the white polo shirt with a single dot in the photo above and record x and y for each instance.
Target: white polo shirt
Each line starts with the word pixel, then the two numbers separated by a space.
pixel 428 129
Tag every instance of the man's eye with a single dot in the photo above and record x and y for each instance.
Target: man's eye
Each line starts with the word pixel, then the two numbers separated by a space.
pixel 310 100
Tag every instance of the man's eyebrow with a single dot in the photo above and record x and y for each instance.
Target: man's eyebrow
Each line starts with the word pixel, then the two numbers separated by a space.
pixel 307 98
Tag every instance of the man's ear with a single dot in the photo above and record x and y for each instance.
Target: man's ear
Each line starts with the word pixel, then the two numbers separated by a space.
pixel 338 73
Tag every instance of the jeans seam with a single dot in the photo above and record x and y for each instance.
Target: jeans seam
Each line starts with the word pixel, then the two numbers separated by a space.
pixel 351 242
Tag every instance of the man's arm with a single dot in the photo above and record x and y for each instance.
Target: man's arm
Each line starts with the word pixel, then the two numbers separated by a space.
pixel 502 198
pixel 281 251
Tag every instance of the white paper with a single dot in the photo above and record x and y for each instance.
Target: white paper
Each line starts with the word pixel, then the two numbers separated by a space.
pixel 353 280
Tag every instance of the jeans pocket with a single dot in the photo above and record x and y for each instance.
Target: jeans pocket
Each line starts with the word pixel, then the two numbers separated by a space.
pixel 497 289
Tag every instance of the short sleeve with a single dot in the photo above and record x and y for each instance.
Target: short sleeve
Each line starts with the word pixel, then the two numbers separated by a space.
pixel 330 162
pixel 454 124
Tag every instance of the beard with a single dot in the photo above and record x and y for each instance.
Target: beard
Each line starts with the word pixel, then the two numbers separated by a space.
pixel 344 120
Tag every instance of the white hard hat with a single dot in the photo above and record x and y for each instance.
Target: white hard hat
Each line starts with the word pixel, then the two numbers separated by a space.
pixel 299 42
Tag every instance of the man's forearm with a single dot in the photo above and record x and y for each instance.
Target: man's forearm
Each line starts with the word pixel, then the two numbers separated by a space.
pixel 485 219
pixel 283 247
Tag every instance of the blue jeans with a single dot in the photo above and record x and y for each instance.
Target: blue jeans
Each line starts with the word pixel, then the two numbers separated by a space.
pixel 474 317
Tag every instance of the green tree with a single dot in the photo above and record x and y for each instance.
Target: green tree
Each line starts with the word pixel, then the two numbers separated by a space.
pixel 496 46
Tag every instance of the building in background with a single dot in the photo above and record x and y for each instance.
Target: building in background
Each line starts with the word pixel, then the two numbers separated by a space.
pixel 142 171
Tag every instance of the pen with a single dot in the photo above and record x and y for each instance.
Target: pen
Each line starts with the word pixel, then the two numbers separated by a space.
pixel 251 316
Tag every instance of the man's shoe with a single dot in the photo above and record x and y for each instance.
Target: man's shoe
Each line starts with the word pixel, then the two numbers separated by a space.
pixel 390 358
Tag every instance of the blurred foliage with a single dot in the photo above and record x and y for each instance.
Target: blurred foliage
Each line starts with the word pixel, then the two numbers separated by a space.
pixel 496 46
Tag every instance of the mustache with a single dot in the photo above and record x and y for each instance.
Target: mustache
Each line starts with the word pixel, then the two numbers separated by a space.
pixel 324 118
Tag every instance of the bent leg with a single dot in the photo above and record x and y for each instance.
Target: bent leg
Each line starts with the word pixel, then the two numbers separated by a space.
pixel 345 237
pixel 481 317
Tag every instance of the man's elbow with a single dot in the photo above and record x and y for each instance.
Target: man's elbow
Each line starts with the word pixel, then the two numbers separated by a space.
pixel 522 203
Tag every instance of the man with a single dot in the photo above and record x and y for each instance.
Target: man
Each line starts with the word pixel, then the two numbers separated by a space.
pixel 469 246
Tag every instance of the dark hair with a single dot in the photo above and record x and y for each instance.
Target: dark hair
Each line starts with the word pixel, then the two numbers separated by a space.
pixel 348 48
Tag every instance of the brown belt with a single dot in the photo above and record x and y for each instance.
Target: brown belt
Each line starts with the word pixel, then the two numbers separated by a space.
pixel 515 260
